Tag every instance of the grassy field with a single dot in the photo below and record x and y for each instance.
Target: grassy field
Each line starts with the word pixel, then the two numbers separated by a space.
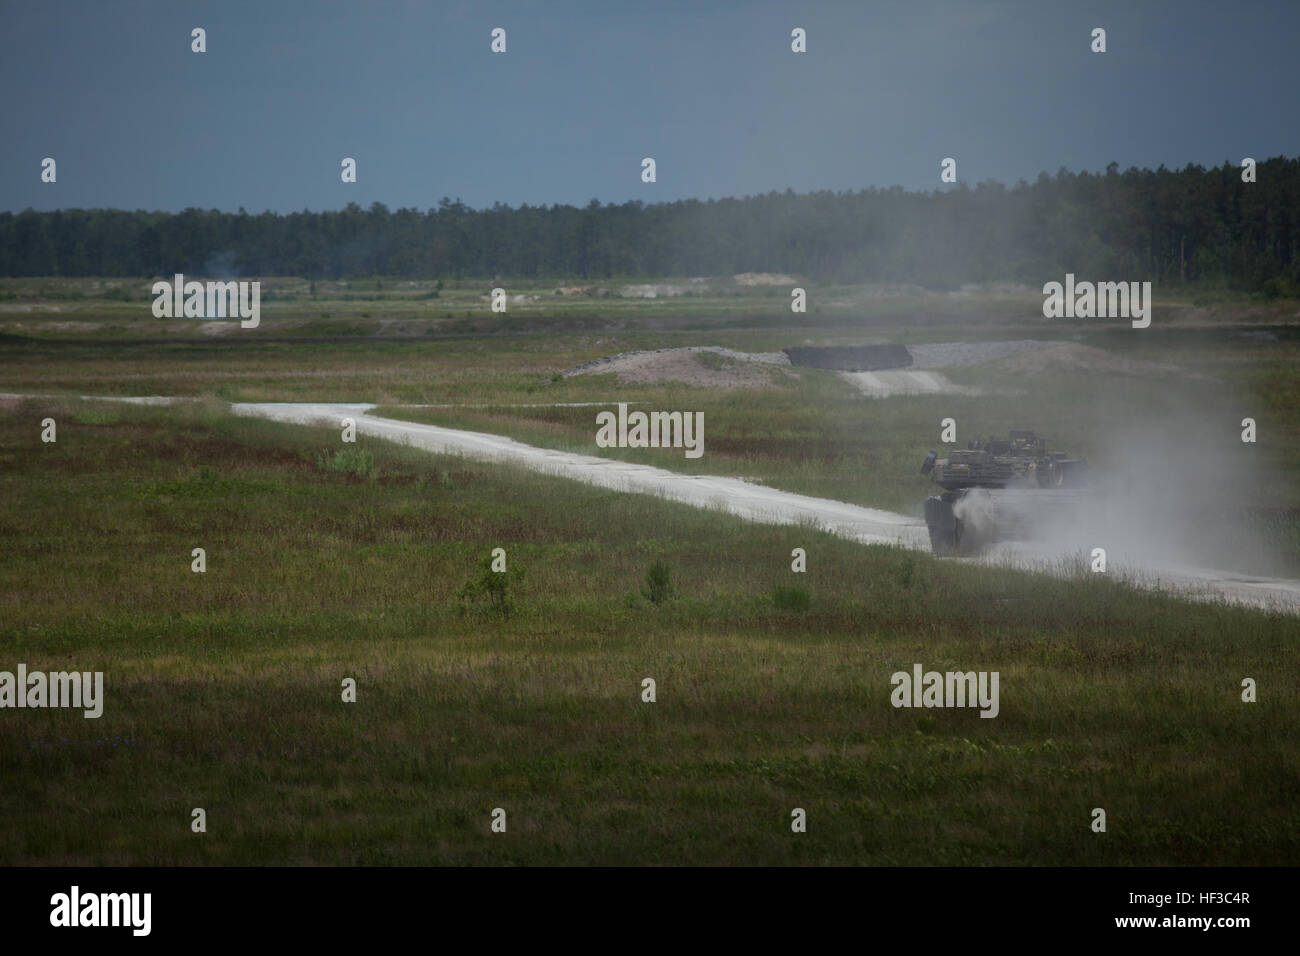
pixel 223 688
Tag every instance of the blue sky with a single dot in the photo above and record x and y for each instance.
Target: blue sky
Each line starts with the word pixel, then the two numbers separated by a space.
pixel 711 90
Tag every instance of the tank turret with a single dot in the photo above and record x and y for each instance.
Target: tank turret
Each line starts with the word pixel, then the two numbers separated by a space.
pixel 970 514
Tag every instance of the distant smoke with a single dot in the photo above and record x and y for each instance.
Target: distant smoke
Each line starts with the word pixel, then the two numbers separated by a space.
pixel 1171 488
pixel 220 265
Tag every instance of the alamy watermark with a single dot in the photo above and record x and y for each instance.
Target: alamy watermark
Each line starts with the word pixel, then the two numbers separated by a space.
pixel 75 908
pixel 953 689
pixel 651 430
pixel 1101 300
pixel 76 689
pixel 208 300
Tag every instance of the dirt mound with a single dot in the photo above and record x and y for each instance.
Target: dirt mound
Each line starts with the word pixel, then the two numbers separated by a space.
pixel 706 367
pixel 763 278
pixel 657 290
pixel 870 358
pixel 878 371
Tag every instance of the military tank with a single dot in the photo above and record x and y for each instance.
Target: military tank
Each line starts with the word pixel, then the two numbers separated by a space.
pixel 996 489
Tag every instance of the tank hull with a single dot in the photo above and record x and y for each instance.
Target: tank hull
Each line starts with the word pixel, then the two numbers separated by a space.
pixel 1001 489
pixel 971 520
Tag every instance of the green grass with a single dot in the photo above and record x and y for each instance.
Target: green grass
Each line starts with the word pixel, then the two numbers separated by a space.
pixel 96 416
pixel 815 435
pixel 477 690
pixel 348 461
pixel 223 689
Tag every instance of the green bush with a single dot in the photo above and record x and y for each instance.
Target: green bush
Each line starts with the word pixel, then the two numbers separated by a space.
pixel 658 583
pixel 489 590
pixel 95 416
pixel 713 361
pixel 350 461
pixel 787 597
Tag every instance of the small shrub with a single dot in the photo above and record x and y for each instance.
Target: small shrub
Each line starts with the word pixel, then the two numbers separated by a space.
pixel 435 480
pixel 350 461
pixel 95 416
pixel 787 597
pixel 910 575
pixel 658 583
pixel 713 361
pixel 489 591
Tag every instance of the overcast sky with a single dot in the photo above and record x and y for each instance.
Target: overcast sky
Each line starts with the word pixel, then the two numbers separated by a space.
pixel 710 89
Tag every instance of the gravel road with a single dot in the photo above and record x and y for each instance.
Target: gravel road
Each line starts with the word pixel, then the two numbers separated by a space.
pixel 758 503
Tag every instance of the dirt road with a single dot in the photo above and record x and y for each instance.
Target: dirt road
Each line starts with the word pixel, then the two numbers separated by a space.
pixel 749 501
pixel 755 502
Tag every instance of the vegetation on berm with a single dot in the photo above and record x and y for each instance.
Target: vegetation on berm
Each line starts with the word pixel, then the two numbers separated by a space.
pixel 1194 225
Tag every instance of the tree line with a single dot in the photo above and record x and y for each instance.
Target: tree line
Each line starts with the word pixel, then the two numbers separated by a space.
pixel 1194 225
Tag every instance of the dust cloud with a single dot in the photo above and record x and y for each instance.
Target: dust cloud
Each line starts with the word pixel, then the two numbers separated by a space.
pixel 1174 489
